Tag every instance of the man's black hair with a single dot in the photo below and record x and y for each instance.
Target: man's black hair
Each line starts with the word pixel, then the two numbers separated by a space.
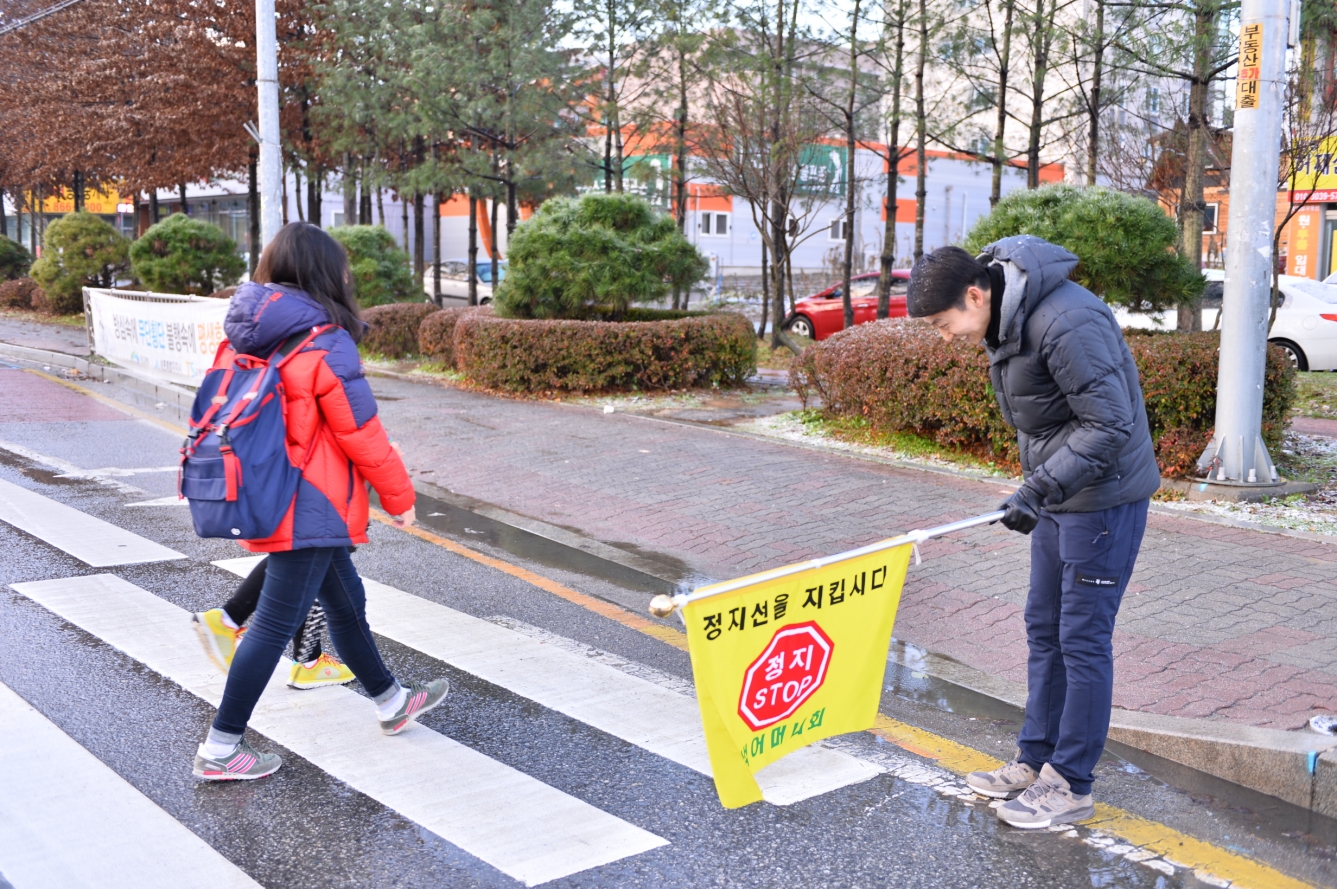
pixel 939 280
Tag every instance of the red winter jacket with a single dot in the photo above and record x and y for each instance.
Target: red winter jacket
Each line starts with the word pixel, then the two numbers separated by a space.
pixel 332 422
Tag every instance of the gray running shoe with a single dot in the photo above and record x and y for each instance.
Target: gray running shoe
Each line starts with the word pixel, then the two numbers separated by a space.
pixel 242 764
pixel 420 697
pixel 1002 782
pixel 1050 799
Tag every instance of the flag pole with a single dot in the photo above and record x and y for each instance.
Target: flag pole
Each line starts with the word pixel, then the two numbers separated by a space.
pixel 664 606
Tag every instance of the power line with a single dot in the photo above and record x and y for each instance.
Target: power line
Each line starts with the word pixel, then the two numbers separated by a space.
pixel 36 16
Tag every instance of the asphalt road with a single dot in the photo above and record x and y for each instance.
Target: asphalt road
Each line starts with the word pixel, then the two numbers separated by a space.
pixel 308 827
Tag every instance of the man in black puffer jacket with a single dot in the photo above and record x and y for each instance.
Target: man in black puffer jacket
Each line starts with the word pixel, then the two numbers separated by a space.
pixel 1064 378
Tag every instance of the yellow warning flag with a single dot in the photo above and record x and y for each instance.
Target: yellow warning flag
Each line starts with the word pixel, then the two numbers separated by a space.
pixel 782 662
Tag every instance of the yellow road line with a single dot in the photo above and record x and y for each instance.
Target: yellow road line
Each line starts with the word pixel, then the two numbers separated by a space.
pixel 109 402
pixel 1153 836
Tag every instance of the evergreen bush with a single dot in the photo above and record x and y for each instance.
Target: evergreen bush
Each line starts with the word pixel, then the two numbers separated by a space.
pixel 382 273
pixel 1125 244
pixel 393 329
pixel 538 356
pixel 588 257
pixel 79 250
pixel 901 377
pixel 15 260
pixel 436 334
pixel 185 255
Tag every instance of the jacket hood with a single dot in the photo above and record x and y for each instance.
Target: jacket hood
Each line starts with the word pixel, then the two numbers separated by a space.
pixel 261 316
pixel 1033 268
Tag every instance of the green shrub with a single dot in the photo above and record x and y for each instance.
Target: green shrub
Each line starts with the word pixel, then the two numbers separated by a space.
pixel 79 250
pixel 393 329
pixel 592 257
pixel 382 273
pixel 185 255
pixel 21 293
pixel 436 334
pixel 525 355
pixel 901 377
pixel 15 260
pixel 1124 243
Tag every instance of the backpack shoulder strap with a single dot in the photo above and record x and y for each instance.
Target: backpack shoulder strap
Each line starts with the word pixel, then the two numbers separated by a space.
pixel 297 342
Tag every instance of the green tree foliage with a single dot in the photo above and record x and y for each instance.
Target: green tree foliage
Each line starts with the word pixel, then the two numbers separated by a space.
pixel 79 250
pixel 382 272
pixel 1125 244
pixel 184 255
pixel 594 256
pixel 15 260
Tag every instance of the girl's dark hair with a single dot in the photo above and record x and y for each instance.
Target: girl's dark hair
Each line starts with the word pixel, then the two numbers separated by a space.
pixel 303 256
pixel 939 280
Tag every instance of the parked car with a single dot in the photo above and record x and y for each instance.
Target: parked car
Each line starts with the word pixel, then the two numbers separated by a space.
pixel 1306 325
pixel 822 314
pixel 455 281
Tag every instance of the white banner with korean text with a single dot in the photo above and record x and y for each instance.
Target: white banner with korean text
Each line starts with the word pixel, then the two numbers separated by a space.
pixel 173 338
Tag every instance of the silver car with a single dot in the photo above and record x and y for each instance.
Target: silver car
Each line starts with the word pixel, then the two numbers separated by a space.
pixel 455 281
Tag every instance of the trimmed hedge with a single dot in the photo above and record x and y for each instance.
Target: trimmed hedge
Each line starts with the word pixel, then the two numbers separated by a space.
pixel 22 293
pixel 393 329
pixel 436 334
pixel 525 355
pixel 901 377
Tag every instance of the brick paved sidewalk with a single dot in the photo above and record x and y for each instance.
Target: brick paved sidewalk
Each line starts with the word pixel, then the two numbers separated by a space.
pixel 1218 622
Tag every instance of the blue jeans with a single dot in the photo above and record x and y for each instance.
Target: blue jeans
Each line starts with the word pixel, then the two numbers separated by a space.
pixel 293 580
pixel 1080 567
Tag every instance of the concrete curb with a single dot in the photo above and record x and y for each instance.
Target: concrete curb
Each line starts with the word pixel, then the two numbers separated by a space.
pixel 1298 767
pixel 175 399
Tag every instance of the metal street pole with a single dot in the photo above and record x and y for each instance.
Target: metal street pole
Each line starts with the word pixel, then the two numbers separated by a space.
pixel 1237 455
pixel 271 158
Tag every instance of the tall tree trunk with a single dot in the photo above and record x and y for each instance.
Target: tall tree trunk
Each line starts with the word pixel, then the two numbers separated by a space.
pixel 315 192
pixel 419 245
pixel 680 144
pixel 350 190
pixel 765 292
pixel 473 250
pixel 436 247
pixel 1093 111
pixel 285 196
pixel 848 266
pixel 185 207
pixel 404 219
pixel 1000 125
pixel 364 200
pixel 297 192
pixel 252 210
pixel 34 219
pixel 1191 206
pixel 380 205
pixel 921 130
pixel 779 210
pixel 887 261
pixel 1039 71
pixel 155 212
pixel 78 191
pixel 492 245
pixel 4 220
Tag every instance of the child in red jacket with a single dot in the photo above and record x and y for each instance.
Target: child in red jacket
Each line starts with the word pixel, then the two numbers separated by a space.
pixel 303 282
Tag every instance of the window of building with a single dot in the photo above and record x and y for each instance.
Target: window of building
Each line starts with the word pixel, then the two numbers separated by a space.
pixel 1209 219
pixel 715 224
pixel 338 219
pixel 837 230
pixel 1154 100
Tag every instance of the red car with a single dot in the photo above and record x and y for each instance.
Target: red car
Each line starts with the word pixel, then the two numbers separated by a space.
pixel 822 314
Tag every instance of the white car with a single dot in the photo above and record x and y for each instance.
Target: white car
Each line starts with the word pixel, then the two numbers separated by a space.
pixel 455 281
pixel 1306 325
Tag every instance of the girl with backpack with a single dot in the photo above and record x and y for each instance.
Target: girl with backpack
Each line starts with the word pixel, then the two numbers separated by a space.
pixel 302 285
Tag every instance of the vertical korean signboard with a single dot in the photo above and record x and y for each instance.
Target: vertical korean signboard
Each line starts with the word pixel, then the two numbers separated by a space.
pixel 1250 66
pixel 173 339
pixel 782 662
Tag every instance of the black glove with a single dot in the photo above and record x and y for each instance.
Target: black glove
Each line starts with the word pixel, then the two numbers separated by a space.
pixel 1021 511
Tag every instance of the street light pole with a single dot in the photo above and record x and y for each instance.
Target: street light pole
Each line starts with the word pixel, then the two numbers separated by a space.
pixel 271 157
pixel 1237 455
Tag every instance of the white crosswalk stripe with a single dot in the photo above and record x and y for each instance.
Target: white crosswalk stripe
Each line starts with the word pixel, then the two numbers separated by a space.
pixel 639 712
pixel 67 820
pixel 519 825
pixel 87 538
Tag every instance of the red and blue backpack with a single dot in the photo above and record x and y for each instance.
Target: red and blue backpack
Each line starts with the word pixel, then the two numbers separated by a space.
pixel 235 467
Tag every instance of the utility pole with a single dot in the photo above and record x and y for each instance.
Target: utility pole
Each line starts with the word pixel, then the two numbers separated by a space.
pixel 271 157
pixel 1237 455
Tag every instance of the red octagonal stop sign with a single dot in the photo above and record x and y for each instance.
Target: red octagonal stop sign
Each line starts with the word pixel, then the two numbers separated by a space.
pixel 786 674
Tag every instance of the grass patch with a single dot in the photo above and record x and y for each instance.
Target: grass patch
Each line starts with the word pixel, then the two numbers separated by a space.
pixel 75 320
pixel 1315 395
pixel 774 359
pixel 439 369
pixel 907 445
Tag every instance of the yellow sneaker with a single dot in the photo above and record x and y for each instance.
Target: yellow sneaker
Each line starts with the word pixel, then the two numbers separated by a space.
pixel 219 639
pixel 325 670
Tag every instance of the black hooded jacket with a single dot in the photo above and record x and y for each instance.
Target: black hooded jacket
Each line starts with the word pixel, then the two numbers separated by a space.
pixel 1066 381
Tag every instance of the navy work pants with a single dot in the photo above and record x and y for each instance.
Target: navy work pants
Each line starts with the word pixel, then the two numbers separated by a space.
pixel 294 580
pixel 1080 567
